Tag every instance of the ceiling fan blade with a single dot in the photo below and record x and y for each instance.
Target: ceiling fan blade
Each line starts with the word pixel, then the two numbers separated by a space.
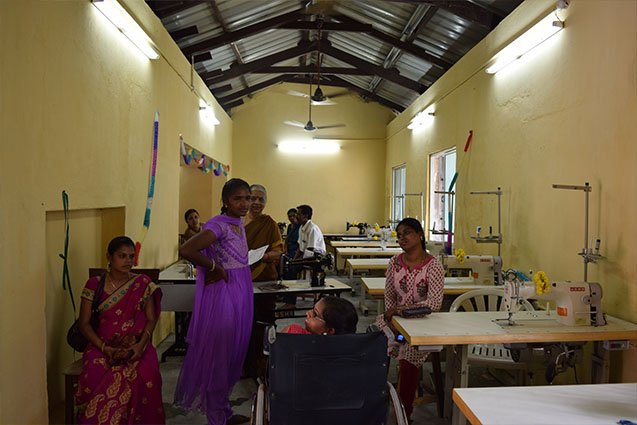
pixel 297 93
pixel 337 94
pixel 294 124
pixel 326 102
pixel 321 127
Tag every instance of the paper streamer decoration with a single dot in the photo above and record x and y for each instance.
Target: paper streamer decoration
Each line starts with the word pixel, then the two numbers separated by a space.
pixel 151 190
pixel 206 164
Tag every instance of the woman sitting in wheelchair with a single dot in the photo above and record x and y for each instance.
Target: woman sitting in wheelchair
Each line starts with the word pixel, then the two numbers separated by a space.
pixel 330 316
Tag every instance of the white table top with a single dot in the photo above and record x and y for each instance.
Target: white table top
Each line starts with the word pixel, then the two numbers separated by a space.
pixel 375 286
pixel 369 251
pixel 549 405
pixel 331 285
pixel 480 328
pixel 368 263
pixel 361 244
pixel 175 273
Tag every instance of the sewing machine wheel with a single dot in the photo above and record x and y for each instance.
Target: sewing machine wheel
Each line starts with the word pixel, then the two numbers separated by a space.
pixel 516 354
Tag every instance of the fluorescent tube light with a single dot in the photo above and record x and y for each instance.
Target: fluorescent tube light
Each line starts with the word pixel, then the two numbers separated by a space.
pixel 422 118
pixel 207 114
pixel 119 17
pixel 529 40
pixel 309 147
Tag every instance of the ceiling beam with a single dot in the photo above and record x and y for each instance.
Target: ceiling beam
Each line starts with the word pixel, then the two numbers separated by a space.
pixel 164 9
pixel 184 32
pixel 231 105
pixel 220 89
pixel 249 90
pixel 237 35
pixel 311 69
pixel 387 74
pixel 464 9
pixel 419 52
pixel 237 70
pixel 202 57
pixel 327 26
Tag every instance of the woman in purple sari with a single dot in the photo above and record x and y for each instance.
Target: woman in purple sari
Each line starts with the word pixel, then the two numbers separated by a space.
pixel 120 381
pixel 220 327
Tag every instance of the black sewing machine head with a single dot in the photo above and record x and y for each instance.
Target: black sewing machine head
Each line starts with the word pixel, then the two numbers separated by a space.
pixel 317 265
pixel 361 227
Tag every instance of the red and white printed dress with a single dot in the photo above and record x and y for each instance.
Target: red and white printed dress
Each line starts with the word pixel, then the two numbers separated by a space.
pixel 422 286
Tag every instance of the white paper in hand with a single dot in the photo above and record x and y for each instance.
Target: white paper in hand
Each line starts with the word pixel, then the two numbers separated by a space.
pixel 255 255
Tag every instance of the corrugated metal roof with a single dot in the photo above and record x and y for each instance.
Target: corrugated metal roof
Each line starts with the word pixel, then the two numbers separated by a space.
pixel 398 48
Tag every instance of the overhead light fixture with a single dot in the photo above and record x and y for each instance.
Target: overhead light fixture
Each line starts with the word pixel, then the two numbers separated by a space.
pixel 422 118
pixel 309 147
pixel 207 114
pixel 125 23
pixel 533 37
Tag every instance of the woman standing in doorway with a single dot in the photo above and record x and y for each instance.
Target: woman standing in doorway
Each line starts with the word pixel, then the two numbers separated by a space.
pixel 220 327
pixel 414 278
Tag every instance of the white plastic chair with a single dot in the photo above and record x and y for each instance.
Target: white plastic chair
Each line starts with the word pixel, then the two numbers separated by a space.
pixel 490 355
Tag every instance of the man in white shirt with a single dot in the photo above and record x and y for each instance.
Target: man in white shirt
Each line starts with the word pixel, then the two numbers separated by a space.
pixel 310 241
pixel 310 236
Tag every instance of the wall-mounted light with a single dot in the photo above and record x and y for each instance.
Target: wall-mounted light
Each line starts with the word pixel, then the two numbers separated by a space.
pixel 309 147
pixel 207 114
pixel 119 17
pixel 422 118
pixel 533 37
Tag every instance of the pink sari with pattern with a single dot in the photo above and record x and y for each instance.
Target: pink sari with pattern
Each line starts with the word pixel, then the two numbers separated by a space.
pixel 130 392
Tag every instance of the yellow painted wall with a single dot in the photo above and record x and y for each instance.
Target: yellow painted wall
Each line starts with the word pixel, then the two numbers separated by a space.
pixel 563 114
pixel 76 113
pixel 97 228
pixel 340 187
pixel 201 191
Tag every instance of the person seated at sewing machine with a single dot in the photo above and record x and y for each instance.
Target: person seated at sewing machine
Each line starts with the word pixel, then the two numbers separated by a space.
pixel 310 236
pixel 290 247
pixel 330 316
pixel 194 225
pixel 310 241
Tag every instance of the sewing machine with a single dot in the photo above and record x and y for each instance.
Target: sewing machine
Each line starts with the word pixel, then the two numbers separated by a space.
pixel 576 303
pixel 436 248
pixel 317 266
pixel 361 227
pixel 485 269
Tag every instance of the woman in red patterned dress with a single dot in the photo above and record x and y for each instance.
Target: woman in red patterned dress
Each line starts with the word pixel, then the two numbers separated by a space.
pixel 414 278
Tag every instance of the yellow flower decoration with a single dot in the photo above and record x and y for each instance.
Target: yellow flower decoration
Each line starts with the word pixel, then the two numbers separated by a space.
pixel 375 238
pixel 459 253
pixel 377 228
pixel 393 233
pixel 541 283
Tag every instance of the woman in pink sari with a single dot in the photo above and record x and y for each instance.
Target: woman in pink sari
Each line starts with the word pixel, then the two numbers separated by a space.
pixel 120 381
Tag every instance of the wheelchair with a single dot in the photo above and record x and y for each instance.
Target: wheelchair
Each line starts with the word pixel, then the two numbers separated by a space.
pixel 326 380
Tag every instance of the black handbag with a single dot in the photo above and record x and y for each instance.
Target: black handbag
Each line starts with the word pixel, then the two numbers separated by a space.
pixel 74 336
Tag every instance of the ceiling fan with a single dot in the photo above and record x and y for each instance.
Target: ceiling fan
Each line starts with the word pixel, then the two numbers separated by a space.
pixel 318 97
pixel 309 126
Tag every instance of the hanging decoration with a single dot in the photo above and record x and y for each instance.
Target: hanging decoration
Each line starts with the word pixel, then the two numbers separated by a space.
pixel 192 156
pixel 151 190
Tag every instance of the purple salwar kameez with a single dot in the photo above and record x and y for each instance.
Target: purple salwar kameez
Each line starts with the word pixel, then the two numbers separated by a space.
pixel 220 327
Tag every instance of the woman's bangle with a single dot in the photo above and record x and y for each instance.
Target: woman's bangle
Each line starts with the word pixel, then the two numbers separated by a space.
pixel 102 347
pixel 148 333
pixel 213 265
